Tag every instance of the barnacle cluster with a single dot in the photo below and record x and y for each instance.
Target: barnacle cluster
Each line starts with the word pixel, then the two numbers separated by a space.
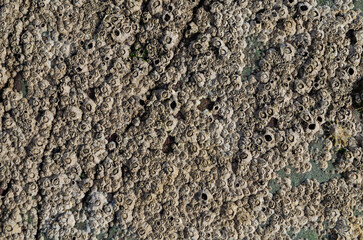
pixel 160 119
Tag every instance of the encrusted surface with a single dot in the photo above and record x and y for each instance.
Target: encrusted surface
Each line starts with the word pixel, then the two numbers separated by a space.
pixel 181 119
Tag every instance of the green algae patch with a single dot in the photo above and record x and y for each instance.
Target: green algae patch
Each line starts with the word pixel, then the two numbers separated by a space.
pixel 253 54
pixel 24 88
pixel 139 53
pixel 356 213
pixel 358 4
pixel 324 2
pixel 321 175
pixel 80 225
pixel 316 173
pixel 102 235
pixel 115 232
pixel 274 185
pixel 246 72
pixel 30 218
pixel 307 234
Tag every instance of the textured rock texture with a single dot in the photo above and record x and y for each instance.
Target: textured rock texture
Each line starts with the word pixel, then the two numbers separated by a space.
pixel 181 119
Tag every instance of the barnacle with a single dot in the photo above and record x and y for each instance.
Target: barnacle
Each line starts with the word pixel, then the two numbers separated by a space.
pixel 338 133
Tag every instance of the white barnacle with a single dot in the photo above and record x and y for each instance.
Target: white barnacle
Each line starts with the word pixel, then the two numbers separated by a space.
pixel 74 113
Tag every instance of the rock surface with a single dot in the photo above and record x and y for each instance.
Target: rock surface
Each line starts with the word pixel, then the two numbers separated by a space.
pixel 181 119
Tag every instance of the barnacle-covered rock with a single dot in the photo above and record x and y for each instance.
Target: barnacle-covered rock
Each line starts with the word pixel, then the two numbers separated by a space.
pixel 156 113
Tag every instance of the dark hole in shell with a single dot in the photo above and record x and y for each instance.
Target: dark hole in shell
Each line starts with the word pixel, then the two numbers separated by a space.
pixel 206 103
pixel 167 144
